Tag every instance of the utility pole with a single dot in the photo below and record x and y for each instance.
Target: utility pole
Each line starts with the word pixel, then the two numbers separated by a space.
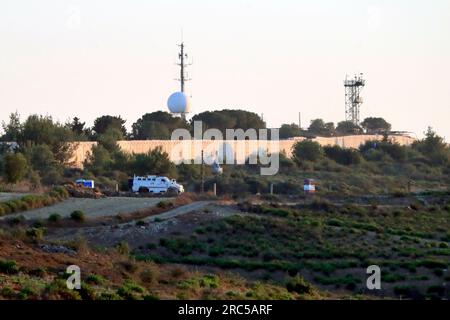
pixel 299 120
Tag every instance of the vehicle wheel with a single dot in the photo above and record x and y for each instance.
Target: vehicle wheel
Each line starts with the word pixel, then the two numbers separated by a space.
pixel 172 192
pixel 143 190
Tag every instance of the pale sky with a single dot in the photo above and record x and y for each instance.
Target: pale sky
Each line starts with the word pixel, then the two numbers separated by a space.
pixel 88 58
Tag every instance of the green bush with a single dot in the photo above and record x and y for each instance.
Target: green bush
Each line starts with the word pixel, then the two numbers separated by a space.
pixel 54 217
pixel 15 167
pixel 35 233
pixel 210 281
pixel 164 204
pixel 343 156
pixel 78 216
pixel 95 279
pixel 16 220
pixel 307 150
pixel 8 267
pixel 87 292
pixel 7 293
pixel 300 285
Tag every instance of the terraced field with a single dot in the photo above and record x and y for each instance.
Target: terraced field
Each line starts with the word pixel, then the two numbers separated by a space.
pixel 329 246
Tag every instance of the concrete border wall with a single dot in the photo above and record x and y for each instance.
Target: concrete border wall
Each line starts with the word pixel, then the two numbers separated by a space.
pixel 225 149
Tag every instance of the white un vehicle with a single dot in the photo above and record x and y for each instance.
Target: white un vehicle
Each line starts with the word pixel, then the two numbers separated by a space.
pixel 155 184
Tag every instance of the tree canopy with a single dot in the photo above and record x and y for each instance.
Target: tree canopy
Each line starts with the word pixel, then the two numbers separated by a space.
pixel 320 128
pixel 157 125
pixel 103 123
pixel 347 128
pixel 307 150
pixel 289 131
pixel 230 119
pixel 375 125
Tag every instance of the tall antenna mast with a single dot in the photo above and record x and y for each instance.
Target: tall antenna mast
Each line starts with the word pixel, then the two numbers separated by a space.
pixel 182 56
pixel 353 100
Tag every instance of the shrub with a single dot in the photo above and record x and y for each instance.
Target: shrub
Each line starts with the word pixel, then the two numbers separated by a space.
pixel 300 285
pixel 148 276
pixel 26 293
pixel 210 281
pixel 140 223
pixel 15 167
pixel 8 267
pixel 16 220
pixel 343 156
pixel 307 150
pixel 58 290
pixel 86 292
pixel 54 217
pixel 35 233
pixel 95 279
pixel 164 204
pixel 39 272
pixel 7 293
pixel 123 248
pixel 78 216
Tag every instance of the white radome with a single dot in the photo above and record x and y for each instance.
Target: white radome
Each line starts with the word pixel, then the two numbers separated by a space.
pixel 179 103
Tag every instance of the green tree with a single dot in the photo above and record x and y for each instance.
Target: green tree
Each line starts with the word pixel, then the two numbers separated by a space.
pixel 77 126
pixel 289 131
pixel 40 157
pixel 230 119
pixel 434 148
pixel 387 147
pixel 343 156
pixel 307 150
pixel 157 125
pixel 13 128
pixel 109 139
pixel 155 162
pixel 348 127
pixel 99 161
pixel 39 130
pixel 79 129
pixel 376 125
pixel 15 165
pixel 103 123
pixel 320 128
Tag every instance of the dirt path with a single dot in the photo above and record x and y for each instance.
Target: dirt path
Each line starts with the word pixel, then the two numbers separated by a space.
pixel 93 208
pixel 194 206
pixel 131 232
pixel 5 196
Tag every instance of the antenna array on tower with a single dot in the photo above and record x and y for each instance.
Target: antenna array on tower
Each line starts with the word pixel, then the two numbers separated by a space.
pixel 183 65
pixel 353 100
